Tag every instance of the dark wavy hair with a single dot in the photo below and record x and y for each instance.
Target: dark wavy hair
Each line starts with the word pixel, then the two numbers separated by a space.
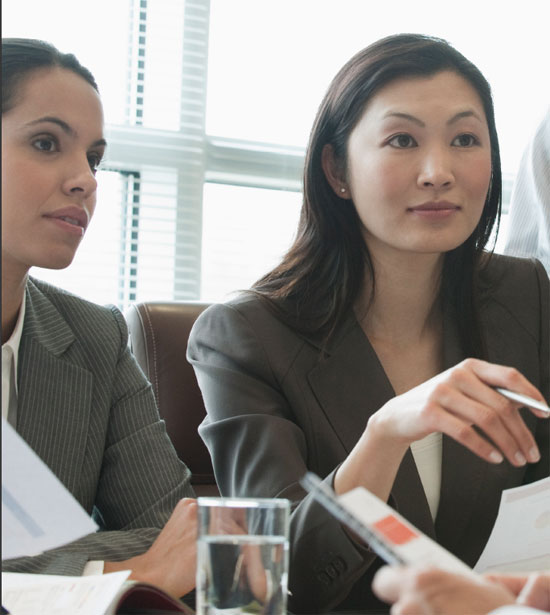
pixel 320 277
pixel 21 56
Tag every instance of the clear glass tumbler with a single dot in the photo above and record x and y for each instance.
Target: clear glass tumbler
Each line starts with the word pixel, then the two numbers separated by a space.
pixel 242 559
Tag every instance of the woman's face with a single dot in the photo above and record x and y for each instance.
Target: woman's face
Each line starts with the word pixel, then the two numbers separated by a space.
pixel 419 165
pixel 52 142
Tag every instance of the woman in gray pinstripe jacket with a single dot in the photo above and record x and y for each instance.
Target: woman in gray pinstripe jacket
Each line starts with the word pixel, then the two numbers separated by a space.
pixel 70 385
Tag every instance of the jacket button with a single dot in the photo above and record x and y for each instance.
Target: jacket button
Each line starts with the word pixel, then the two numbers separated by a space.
pixel 331 571
pixel 339 564
pixel 324 578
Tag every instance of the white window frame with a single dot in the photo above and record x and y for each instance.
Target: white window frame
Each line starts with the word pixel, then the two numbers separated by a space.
pixel 198 158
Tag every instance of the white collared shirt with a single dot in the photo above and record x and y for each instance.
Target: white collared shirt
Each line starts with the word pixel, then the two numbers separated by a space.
pixel 428 454
pixel 10 355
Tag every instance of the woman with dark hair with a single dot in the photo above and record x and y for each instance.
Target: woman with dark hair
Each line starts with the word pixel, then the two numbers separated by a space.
pixel 70 385
pixel 371 353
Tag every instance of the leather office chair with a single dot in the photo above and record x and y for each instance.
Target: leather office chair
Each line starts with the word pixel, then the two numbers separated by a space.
pixel 158 334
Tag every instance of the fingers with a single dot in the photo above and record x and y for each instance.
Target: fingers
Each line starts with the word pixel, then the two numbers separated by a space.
pixel 180 529
pixel 430 591
pixel 496 375
pixel 407 589
pixel 386 583
pixel 412 605
pixel 463 432
pixel 466 392
pixel 532 590
pixel 170 562
pixel 496 418
pixel 228 521
pixel 512 582
pixel 185 512
pixel 536 592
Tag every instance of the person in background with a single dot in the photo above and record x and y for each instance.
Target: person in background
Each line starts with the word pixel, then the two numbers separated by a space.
pixel 371 353
pixel 529 222
pixel 431 591
pixel 70 385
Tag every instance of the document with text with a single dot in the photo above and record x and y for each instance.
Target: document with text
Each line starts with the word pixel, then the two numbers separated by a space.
pixel 103 594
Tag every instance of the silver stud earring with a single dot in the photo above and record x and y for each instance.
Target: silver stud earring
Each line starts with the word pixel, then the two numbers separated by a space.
pixel 342 190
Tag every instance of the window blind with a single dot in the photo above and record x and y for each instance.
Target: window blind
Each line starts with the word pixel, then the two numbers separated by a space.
pixel 145 240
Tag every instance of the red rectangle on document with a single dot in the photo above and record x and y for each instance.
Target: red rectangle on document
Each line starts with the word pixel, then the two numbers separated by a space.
pixel 395 530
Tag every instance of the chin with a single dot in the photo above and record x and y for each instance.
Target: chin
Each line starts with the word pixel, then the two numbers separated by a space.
pixel 55 261
pixel 440 246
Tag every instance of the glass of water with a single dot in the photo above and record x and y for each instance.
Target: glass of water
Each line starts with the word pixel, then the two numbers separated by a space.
pixel 242 559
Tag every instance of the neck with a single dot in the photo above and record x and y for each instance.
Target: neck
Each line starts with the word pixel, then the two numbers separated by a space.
pixel 13 288
pixel 405 304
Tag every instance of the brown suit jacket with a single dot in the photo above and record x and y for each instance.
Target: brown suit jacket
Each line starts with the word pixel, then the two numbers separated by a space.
pixel 276 408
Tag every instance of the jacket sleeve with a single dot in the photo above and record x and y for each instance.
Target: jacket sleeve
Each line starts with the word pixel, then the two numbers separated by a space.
pixel 141 478
pixel 259 450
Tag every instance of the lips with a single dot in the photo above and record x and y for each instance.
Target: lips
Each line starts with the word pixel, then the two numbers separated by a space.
pixel 75 216
pixel 70 220
pixel 435 206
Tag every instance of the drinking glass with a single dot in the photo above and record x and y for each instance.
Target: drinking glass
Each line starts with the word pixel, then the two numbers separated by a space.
pixel 242 558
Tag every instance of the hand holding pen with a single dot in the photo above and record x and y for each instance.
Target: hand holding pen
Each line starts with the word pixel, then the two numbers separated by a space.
pixel 475 402
pixel 469 403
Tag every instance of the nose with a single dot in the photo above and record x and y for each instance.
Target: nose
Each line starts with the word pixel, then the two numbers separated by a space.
pixel 436 170
pixel 80 179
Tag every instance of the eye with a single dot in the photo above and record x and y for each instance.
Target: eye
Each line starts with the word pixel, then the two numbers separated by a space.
pixel 94 160
pixel 402 141
pixel 465 140
pixel 45 144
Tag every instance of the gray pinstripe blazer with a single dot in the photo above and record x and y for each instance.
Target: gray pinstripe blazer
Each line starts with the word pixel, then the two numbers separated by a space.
pixel 88 411
pixel 275 409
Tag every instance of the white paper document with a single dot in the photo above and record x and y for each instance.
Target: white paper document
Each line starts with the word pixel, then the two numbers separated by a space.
pixel 42 594
pixel 520 540
pixel 38 513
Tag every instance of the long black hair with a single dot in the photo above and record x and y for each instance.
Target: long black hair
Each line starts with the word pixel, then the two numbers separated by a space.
pixel 21 56
pixel 320 277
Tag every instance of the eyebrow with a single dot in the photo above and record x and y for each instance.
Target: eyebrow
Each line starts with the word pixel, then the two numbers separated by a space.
pixel 463 114
pixel 65 128
pixel 411 118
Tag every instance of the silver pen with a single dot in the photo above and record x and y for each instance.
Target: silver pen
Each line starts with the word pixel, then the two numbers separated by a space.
pixel 523 399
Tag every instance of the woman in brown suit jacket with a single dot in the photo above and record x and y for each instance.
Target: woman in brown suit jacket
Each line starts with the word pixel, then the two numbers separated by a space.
pixel 371 353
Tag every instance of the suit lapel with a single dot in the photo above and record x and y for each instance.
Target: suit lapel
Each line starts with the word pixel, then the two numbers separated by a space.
pixel 54 393
pixel 351 385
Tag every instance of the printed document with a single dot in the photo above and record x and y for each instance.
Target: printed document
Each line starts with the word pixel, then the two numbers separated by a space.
pixel 102 594
pixel 42 594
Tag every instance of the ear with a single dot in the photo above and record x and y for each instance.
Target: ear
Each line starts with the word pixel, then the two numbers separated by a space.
pixel 334 173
